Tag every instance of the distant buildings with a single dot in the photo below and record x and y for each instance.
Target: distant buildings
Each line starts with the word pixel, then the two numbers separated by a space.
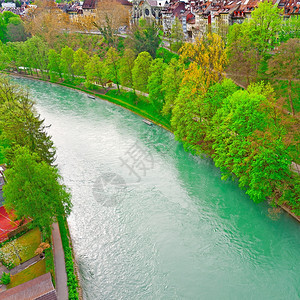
pixel 147 9
pixel 72 9
pixel 197 15
pixel 16 8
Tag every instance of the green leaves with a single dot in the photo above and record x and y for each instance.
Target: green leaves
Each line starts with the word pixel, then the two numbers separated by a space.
pixel 141 71
pixel 95 72
pixel 8 18
pixel 20 125
pixel 145 38
pixel 54 65
pixel 171 82
pixel 66 62
pixel 72 281
pixel 126 66
pixel 33 190
pixel 80 60
pixel 247 143
pixel 111 64
pixel 264 24
pixel 156 94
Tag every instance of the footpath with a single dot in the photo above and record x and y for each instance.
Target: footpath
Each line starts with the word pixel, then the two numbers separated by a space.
pixel 59 262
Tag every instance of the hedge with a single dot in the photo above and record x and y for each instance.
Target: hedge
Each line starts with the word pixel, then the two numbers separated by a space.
pixel 72 281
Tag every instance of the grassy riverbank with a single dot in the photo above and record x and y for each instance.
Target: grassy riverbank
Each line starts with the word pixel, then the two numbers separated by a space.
pixel 137 104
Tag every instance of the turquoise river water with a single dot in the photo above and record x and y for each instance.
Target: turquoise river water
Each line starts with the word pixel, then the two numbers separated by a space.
pixel 151 221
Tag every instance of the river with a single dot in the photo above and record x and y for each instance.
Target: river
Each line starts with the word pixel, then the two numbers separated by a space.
pixel 151 221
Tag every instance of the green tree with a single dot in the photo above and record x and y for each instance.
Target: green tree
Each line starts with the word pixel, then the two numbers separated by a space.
pixel 285 64
pixel 265 23
pixel 4 58
pixel 95 72
pixel 171 82
pixel 177 35
pixel 209 105
pixel 54 65
pixel 248 135
pixel 141 71
pixel 80 60
pixel 11 56
pixel 8 15
pixel 126 66
pixel 66 62
pixel 11 27
pixel 3 29
pixel 36 53
pixel 112 66
pixel 145 37
pixel 156 93
pixel 33 191
pixel 22 57
pixel 244 57
pixel 249 43
pixel 4 21
pixel 289 29
pixel 186 113
pixel 16 32
pixel 20 125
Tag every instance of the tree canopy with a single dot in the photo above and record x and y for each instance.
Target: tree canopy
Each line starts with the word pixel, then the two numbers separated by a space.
pixel 145 37
pixel 33 190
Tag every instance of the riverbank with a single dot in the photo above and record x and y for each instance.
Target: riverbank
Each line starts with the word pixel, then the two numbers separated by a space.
pixel 116 99
pixel 120 101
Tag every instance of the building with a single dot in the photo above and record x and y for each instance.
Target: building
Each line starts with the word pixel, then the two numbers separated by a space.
pixel 197 16
pixel 147 9
pixel 173 9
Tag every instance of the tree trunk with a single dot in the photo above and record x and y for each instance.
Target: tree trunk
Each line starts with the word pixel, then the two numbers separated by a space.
pixel 290 97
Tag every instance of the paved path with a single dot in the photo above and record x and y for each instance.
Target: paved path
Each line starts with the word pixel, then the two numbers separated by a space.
pixel 130 90
pixel 59 262
pixel 295 168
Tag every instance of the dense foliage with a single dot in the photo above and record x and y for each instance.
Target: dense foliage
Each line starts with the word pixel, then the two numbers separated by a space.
pixel 11 28
pixel 5 278
pixel 72 281
pixel 33 188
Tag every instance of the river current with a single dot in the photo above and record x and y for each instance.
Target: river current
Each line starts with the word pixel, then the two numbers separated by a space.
pixel 151 221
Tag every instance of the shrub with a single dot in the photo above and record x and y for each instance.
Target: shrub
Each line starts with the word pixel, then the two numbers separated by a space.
pixel 71 278
pixel 5 279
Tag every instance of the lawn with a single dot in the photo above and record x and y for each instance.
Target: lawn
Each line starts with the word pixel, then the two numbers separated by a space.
pixel 30 273
pixel 24 246
pixel 144 108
